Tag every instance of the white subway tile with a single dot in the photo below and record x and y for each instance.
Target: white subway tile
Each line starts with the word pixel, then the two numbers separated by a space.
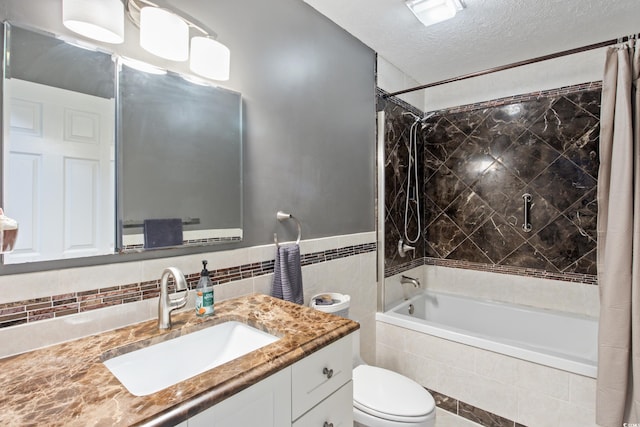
pixel 30 336
pixel 570 415
pixel 478 391
pixel 536 409
pixel 390 335
pixel 233 289
pixel 18 287
pixel 582 391
pixel 99 276
pixel 496 366
pixel 441 350
pixel 543 380
pixel 262 284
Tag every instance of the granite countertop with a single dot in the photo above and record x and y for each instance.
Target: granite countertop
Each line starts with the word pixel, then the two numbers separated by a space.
pixel 68 385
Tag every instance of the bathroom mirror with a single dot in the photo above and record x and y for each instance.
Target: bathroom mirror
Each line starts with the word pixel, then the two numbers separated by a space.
pixel 72 116
pixel 181 160
pixel 58 147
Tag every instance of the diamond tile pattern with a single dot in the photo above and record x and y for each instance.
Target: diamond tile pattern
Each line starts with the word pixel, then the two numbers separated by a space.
pixel 477 165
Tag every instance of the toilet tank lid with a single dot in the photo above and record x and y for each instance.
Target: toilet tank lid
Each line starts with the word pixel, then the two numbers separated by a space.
pixel 390 393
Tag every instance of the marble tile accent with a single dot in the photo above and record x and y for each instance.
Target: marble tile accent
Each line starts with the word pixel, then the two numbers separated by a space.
pixel 478 161
pixel 482 417
pixel 49 307
pixel 68 385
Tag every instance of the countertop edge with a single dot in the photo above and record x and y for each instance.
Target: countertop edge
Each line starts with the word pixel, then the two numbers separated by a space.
pixel 185 410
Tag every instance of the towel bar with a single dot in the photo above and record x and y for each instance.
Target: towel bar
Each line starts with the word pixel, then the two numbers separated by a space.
pixel 281 216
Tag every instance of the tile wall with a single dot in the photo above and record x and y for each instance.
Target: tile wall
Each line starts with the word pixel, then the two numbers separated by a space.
pixel 478 162
pixel 44 308
pixel 486 387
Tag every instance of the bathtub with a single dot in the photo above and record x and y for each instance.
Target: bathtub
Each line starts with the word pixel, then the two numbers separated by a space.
pixel 551 338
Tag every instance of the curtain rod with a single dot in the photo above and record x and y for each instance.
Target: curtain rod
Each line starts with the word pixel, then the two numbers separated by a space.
pixel 514 65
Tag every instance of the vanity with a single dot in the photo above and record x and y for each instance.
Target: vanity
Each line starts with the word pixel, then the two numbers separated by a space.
pixel 302 379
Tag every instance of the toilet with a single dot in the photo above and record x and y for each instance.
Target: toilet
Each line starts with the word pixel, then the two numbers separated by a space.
pixel 381 398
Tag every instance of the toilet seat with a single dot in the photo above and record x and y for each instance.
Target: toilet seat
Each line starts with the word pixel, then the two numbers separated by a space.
pixel 385 394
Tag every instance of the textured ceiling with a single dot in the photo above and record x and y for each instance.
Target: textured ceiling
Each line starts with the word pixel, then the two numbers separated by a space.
pixel 488 33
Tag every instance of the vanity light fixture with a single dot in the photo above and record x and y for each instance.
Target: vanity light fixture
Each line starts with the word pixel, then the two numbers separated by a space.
pixel 163 32
pixel 431 12
pixel 210 58
pixel 101 20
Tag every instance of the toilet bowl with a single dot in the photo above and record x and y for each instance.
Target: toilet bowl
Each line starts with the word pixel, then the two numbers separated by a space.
pixel 383 398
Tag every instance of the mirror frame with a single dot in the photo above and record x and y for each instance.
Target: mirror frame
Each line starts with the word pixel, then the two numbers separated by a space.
pixel 116 256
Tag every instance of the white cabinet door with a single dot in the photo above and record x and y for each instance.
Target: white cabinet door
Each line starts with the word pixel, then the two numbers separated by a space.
pixel 265 404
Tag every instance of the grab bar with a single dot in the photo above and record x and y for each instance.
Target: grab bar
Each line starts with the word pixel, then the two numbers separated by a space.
pixel 282 216
pixel 526 226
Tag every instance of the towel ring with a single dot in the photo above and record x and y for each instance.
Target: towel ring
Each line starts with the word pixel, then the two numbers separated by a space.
pixel 281 216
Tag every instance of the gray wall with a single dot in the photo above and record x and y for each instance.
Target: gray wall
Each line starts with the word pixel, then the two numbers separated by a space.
pixel 309 99
pixel 309 92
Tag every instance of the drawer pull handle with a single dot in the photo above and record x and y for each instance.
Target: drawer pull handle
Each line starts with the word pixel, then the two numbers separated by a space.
pixel 327 424
pixel 329 373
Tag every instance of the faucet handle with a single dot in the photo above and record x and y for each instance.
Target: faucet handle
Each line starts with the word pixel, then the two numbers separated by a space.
pixel 403 248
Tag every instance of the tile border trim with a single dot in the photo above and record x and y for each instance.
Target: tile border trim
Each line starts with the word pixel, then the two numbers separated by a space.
pixel 565 90
pixel 470 412
pixel 587 279
pixel 33 310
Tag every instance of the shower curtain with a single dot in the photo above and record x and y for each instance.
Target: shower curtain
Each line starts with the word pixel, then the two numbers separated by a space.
pixel 618 383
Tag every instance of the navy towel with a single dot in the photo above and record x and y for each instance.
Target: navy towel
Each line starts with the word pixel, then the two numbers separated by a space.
pixel 160 233
pixel 287 278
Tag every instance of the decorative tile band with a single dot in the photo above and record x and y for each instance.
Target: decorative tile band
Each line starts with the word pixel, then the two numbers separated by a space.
pixel 588 279
pixel 524 97
pixel 19 312
pixel 470 412
pixel 495 102
pixel 400 268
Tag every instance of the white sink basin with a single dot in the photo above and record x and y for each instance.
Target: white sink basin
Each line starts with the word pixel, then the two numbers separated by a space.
pixel 153 368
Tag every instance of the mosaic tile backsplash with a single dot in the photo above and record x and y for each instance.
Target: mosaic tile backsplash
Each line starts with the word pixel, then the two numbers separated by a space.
pixel 479 160
pixel 20 312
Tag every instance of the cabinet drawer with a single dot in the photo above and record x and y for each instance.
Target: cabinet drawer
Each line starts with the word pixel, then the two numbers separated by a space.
pixel 336 410
pixel 320 374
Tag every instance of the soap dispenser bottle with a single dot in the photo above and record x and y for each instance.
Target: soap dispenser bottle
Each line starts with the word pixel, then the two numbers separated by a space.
pixel 204 293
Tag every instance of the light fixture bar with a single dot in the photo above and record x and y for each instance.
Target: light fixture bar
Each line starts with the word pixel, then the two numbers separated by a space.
pixel 133 8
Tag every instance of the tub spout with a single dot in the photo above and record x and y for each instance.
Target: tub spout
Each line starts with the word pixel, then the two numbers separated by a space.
pixel 406 279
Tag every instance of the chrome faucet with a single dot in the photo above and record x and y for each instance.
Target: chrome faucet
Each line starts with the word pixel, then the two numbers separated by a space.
pixel 406 279
pixel 165 304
